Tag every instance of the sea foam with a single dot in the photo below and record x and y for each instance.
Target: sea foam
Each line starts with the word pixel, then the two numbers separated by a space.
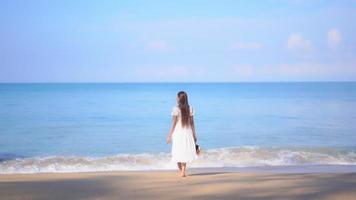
pixel 246 156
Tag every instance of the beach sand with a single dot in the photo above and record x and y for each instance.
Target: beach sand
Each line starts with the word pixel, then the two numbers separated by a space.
pixel 168 185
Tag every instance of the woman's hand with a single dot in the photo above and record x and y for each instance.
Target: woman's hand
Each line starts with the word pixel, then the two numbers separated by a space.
pixel 169 139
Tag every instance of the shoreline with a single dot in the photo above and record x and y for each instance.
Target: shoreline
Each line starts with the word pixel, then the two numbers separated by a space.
pixel 198 184
pixel 253 169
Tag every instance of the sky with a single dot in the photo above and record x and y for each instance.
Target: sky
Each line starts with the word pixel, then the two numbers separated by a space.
pixel 177 41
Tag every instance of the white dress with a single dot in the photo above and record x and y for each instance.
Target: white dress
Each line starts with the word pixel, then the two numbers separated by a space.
pixel 183 144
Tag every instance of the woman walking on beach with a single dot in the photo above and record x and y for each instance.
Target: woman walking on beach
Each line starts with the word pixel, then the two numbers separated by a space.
pixel 182 133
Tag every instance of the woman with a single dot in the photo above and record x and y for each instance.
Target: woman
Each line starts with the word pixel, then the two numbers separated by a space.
pixel 182 133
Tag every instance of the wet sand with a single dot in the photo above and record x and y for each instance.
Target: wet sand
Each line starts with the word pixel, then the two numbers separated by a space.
pixel 169 185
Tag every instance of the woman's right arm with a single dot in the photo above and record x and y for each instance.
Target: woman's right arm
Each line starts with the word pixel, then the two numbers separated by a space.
pixel 193 128
pixel 174 122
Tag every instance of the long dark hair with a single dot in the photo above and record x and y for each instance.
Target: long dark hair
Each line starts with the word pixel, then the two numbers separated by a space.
pixel 184 108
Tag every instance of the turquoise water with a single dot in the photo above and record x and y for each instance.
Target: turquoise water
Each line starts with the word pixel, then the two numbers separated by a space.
pixel 62 127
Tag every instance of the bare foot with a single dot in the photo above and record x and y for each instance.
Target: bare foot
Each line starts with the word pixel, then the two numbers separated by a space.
pixel 182 174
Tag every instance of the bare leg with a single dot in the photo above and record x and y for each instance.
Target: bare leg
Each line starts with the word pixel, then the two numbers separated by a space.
pixel 184 166
pixel 179 166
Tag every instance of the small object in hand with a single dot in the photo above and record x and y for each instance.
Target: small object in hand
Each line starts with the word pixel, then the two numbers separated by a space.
pixel 197 148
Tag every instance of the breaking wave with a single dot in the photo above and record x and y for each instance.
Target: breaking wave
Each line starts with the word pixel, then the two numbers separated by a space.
pixel 247 156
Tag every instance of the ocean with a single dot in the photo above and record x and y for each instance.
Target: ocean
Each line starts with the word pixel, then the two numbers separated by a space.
pixel 80 127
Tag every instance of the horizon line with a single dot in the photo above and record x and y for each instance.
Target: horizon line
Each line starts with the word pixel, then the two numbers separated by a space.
pixel 173 82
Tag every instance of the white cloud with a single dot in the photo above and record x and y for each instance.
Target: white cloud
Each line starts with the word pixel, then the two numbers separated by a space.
pixel 169 73
pixel 334 38
pixel 162 71
pixel 243 70
pixel 300 71
pixel 158 45
pixel 247 46
pixel 298 43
